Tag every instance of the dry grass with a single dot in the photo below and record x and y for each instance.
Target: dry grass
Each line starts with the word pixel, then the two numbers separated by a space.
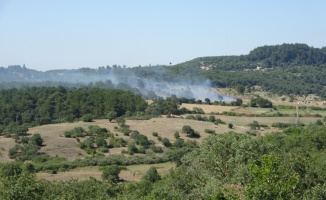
pixel 133 172
pixel 209 108
pixel 56 144
pixel 5 145
pixel 166 127
pixel 244 121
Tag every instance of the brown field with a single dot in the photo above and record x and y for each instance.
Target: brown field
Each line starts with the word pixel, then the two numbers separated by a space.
pixel 209 108
pixel 5 145
pixel 56 144
pixel 133 172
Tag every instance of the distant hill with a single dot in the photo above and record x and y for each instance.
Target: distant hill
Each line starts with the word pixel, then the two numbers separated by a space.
pixel 283 69
pixel 266 57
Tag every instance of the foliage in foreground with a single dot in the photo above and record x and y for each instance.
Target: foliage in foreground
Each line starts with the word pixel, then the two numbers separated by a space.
pixel 285 165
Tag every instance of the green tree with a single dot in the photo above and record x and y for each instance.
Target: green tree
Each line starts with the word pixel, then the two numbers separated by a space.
pixel 111 115
pixel 121 121
pixel 111 173
pixel 151 175
pixel 87 118
pixel 270 181
pixel 188 130
pixel 176 135
pixel 36 138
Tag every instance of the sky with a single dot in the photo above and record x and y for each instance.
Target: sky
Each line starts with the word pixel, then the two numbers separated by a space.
pixel 70 34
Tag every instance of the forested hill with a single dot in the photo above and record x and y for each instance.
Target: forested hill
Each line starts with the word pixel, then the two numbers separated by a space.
pixel 284 69
pixel 264 57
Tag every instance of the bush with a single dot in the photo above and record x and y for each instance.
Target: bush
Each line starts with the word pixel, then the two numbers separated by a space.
pixel 228 113
pixel 176 135
pixel 117 142
pixel 190 117
pixel 67 134
pixel 141 150
pixel 156 149
pixel 219 121
pixel 111 173
pixel 281 125
pixel 36 138
pixel 87 118
pixel 210 131
pixel 132 148
pixel 151 175
pixel 195 135
pixel 166 142
pixel 230 125
pixel 96 130
pixel 125 131
pixel 133 134
pixel 103 149
pixel 142 140
pixel 211 118
pixel 155 134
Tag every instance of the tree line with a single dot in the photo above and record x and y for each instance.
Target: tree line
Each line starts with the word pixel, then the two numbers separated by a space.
pixel 44 105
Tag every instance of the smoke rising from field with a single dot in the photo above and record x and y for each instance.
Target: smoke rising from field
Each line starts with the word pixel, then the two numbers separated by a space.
pixel 122 78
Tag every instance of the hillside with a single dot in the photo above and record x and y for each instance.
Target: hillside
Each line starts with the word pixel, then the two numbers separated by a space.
pixel 292 69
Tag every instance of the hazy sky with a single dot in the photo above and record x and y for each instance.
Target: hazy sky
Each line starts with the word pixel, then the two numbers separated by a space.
pixel 57 34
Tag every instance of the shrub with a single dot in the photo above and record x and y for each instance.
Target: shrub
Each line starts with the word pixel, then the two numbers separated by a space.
pixel 166 142
pixel 151 175
pixel 117 142
pixel 281 125
pixel 212 118
pixel 36 138
pixel 101 142
pixel 176 135
pixel 155 134
pixel 67 134
pixel 190 117
pixel 132 148
pixel 103 149
pixel 230 125
pixel 133 134
pixel 87 118
pixel 111 173
pixel 210 131
pixel 125 131
pixel 141 150
pixel 219 121
pixel 156 149
pixel 142 140
pixel 195 135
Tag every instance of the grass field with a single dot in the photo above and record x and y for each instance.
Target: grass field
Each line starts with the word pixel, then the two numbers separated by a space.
pixel 209 108
pixel 56 144
pixel 244 121
pixel 5 145
pixel 132 173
